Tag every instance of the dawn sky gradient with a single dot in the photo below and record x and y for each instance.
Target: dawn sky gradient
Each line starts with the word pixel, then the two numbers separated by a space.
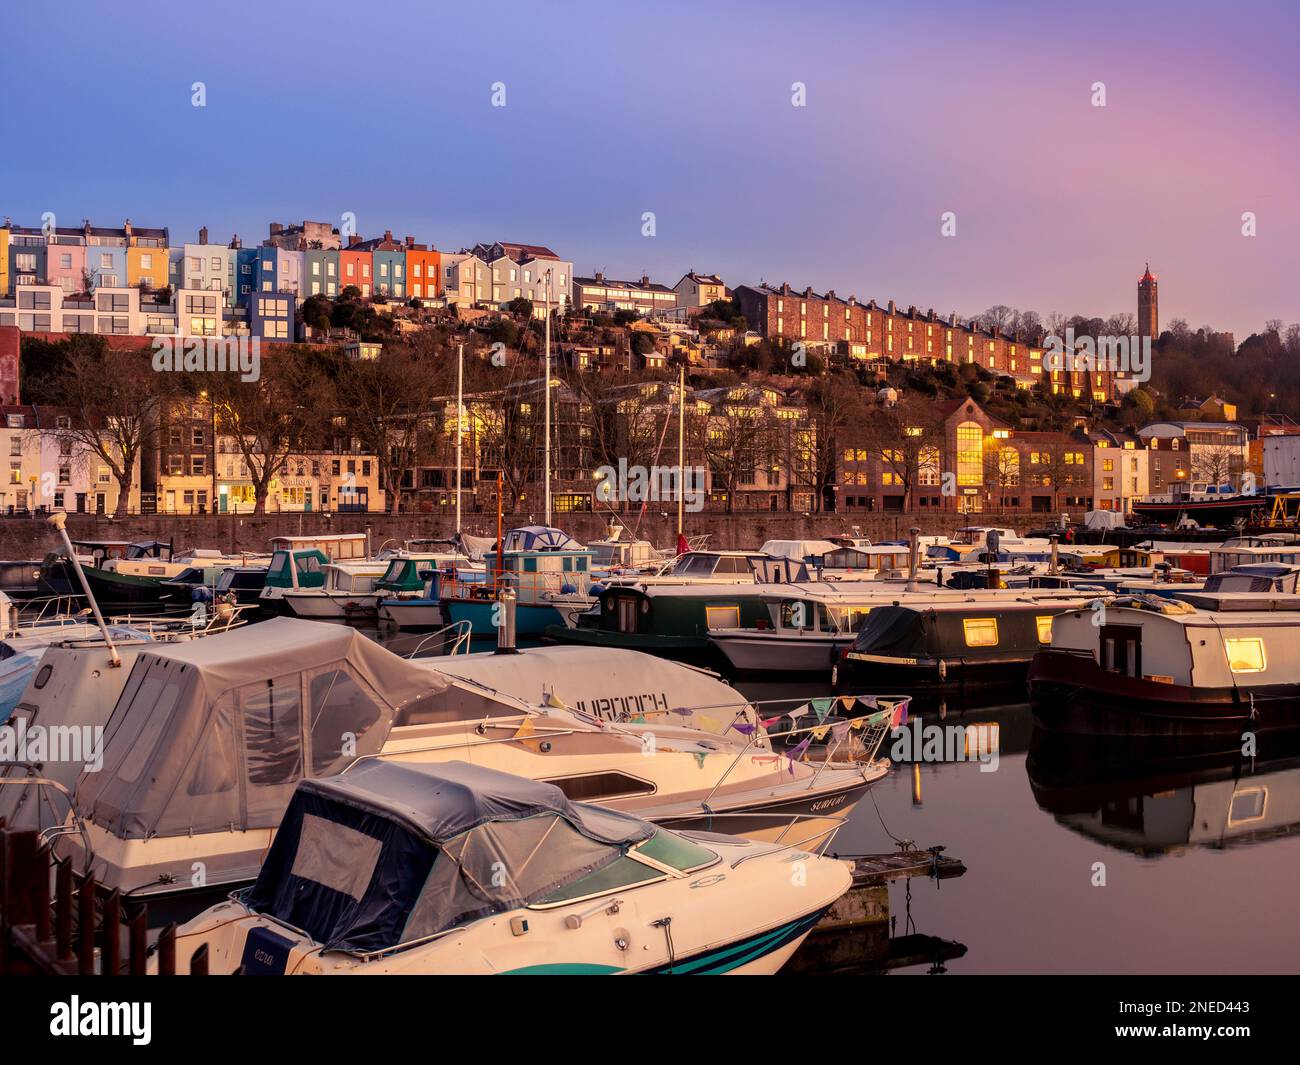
pixel 684 109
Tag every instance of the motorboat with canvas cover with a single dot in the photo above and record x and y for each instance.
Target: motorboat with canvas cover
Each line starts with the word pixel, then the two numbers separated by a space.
pixel 453 868
pixel 207 741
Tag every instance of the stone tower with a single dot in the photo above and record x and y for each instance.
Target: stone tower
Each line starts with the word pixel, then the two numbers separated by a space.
pixel 1148 310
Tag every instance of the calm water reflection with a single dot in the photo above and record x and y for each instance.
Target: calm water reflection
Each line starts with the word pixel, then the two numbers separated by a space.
pixel 1200 851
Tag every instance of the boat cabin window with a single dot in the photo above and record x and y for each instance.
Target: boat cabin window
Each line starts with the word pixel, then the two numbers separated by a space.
pixel 796 614
pixel 732 564
pixel 1248 804
pixel 980 632
pixel 1044 629
pixel 1121 649
pixel 695 566
pixel 1245 654
pixel 626 607
pixel 848 618
pixel 722 617
pixel 593 787
pixel 272 741
pixel 340 711
pixel 454 704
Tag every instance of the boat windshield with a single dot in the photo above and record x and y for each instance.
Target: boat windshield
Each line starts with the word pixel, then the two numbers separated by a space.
pixel 640 865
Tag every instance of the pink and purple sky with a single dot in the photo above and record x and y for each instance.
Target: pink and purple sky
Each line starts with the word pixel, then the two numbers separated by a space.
pixel 684 109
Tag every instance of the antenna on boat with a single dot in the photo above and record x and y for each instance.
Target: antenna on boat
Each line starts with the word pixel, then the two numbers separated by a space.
pixel 59 520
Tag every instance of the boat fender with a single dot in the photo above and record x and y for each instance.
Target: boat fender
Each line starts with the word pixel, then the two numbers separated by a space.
pixel 943 669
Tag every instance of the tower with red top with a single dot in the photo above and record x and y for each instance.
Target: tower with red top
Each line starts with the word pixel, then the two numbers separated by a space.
pixel 1148 312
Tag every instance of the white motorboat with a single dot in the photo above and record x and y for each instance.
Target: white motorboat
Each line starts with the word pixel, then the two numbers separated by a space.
pixel 452 868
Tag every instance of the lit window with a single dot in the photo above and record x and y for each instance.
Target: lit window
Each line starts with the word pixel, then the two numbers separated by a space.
pixel 981 632
pixel 1245 654
pixel 1045 629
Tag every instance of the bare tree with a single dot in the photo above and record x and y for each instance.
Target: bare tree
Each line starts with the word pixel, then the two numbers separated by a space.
pixel 113 397
pixel 284 412
pixel 904 439
pixel 1215 463
pixel 387 400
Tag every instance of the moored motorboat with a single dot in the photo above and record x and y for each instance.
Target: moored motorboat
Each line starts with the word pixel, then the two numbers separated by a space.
pixel 456 869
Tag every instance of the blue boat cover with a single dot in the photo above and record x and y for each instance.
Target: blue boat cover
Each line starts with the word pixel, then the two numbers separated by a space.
pixel 391 852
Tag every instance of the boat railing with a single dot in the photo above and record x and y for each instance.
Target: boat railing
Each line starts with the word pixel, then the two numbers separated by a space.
pixel 529 588
pixel 70 823
pixel 823 833
pixel 463 630
pixel 51 610
pixel 216 618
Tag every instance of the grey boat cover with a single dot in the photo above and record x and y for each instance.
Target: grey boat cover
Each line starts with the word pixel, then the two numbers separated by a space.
pixel 215 733
pixel 391 852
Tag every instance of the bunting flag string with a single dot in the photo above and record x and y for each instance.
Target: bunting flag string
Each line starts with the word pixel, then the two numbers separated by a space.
pixel 798 752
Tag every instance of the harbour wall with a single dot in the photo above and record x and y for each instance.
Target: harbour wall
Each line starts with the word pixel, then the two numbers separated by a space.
pixel 33 538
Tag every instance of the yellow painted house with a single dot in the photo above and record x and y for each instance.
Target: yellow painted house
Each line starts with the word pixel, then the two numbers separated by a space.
pixel 146 264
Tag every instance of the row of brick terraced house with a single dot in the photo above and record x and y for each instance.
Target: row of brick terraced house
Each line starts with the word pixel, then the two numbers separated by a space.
pixel 873 332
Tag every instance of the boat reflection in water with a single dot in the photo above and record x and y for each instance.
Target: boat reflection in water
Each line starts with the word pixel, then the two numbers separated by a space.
pixel 1155 797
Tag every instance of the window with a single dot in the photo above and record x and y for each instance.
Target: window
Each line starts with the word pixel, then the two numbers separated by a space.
pixel 1044 629
pixel 970 454
pixel 338 708
pixel 1245 654
pixel 722 617
pixel 980 632
pixel 271 731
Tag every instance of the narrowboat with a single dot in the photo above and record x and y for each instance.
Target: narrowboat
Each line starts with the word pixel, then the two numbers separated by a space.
pixel 984 641
pixel 155 581
pixel 1223 659
pixel 806 625
pixel 56 577
pixel 672 620
pixel 418 849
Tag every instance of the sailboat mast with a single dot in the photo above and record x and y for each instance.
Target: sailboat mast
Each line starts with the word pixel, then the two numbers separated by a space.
pixel 460 422
pixel 547 445
pixel 681 445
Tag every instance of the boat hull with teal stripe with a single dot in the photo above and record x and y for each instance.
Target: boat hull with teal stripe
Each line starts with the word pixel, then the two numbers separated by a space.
pixel 764 951
pixel 531 619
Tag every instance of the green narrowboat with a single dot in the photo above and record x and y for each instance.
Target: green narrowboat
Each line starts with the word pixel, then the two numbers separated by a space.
pixel 983 642
pixel 672 621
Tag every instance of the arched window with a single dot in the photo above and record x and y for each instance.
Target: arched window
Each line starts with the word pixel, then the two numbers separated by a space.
pixel 970 454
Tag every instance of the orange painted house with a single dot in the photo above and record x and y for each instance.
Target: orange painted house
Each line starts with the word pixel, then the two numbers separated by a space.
pixel 356 268
pixel 423 271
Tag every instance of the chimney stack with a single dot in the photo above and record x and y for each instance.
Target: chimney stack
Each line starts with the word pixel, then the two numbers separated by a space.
pixel 388 236
pixel 600 278
pixel 203 235
pixel 354 238
pixel 126 228
pixel 276 229
pixel 645 280
pixel 410 242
